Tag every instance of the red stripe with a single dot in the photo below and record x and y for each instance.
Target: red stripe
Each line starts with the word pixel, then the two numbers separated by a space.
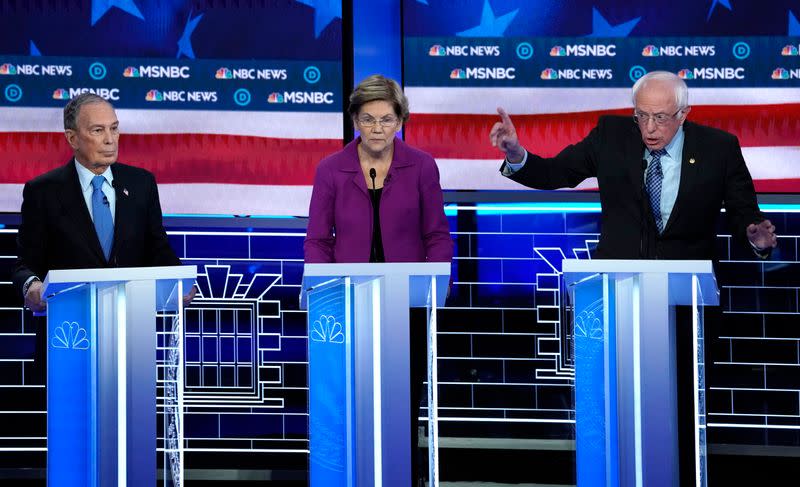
pixel 179 158
pixel 465 136
pixel 790 185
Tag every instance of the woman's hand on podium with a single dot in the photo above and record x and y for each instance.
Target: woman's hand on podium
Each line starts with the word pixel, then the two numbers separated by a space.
pixel 187 299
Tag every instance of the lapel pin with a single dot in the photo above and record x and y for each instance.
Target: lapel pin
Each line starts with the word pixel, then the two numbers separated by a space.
pixel 125 190
pixel 691 161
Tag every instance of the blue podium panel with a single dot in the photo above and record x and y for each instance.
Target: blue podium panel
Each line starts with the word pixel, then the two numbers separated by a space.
pixel 359 407
pixel 626 407
pixel 329 376
pixel 102 375
pixel 71 391
pixel 595 384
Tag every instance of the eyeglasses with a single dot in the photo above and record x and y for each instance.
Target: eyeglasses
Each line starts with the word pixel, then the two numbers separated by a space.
pixel 386 122
pixel 642 118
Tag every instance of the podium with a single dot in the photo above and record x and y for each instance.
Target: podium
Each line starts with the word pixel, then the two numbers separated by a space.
pixel 358 362
pixel 625 367
pixel 101 380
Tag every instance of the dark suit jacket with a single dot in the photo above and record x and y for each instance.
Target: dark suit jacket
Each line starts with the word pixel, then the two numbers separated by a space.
pixel 57 231
pixel 713 175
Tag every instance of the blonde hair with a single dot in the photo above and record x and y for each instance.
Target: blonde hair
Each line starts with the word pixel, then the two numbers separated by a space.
pixel 379 88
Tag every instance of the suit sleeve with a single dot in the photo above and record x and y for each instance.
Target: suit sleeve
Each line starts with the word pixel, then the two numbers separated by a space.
pixel 566 170
pixel 435 229
pixel 319 242
pixel 31 239
pixel 741 204
pixel 160 250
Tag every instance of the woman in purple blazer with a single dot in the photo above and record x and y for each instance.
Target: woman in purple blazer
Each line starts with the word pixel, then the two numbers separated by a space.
pixel 377 200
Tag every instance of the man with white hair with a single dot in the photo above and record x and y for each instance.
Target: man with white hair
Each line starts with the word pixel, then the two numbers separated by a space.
pixel 662 179
pixel 662 182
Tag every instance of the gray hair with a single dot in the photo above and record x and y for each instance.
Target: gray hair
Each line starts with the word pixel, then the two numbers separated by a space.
pixel 681 90
pixel 73 108
pixel 379 88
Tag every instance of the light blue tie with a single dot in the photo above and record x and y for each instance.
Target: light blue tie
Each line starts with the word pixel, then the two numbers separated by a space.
pixel 101 213
pixel 653 180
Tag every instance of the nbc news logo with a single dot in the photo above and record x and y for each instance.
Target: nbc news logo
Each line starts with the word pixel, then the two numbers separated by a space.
pixel 650 51
pixel 783 73
pixel 788 50
pixel 437 50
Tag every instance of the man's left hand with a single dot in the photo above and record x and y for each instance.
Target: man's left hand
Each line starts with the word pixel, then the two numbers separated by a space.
pixel 762 235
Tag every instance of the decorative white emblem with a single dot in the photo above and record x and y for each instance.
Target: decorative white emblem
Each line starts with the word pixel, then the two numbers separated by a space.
pixel 70 335
pixel 327 329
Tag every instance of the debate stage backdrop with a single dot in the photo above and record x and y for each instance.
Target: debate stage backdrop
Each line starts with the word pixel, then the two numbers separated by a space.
pixel 232 104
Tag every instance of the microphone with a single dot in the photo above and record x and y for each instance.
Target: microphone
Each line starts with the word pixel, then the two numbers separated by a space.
pixel 644 243
pixel 373 251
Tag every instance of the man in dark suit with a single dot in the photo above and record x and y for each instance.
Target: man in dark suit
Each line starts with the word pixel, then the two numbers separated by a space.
pixel 662 183
pixel 92 212
pixel 662 180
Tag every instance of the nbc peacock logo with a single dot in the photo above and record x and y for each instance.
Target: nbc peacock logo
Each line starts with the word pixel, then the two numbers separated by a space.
pixel 458 73
pixel 650 51
pixel 788 50
pixel 131 72
pixel 275 98
pixel 558 51
pixel 154 95
pixel 436 50
pixel 780 73
pixel 60 94
pixel 8 69
pixel 549 73
pixel 224 73
pixel 70 335
pixel 686 74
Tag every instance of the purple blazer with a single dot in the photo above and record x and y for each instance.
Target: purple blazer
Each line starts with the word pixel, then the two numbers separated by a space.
pixel 413 225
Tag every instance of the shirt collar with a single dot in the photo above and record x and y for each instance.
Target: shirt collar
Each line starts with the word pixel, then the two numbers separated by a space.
pixel 674 144
pixel 85 176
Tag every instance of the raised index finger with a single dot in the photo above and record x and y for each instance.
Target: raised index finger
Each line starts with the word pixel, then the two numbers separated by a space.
pixel 504 116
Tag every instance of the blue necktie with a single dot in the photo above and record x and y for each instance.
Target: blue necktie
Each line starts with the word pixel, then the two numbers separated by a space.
pixel 653 183
pixel 101 213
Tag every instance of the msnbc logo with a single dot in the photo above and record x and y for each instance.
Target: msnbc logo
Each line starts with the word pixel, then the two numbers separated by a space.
pixel 224 73
pixel 8 69
pixel 780 73
pixel 61 94
pixel 686 74
pixel 131 72
pixel 458 73
pixel 788 50
pixel 275 98
pixel 436 50
pixel 154 95
pixel 558 51
pixel 650 51
pixel 549 73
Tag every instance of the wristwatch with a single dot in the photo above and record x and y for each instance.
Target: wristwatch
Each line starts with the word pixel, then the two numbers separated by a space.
pixel 28 285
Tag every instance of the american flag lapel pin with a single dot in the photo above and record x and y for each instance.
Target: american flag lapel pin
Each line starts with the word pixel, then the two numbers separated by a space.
pixel 125 191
